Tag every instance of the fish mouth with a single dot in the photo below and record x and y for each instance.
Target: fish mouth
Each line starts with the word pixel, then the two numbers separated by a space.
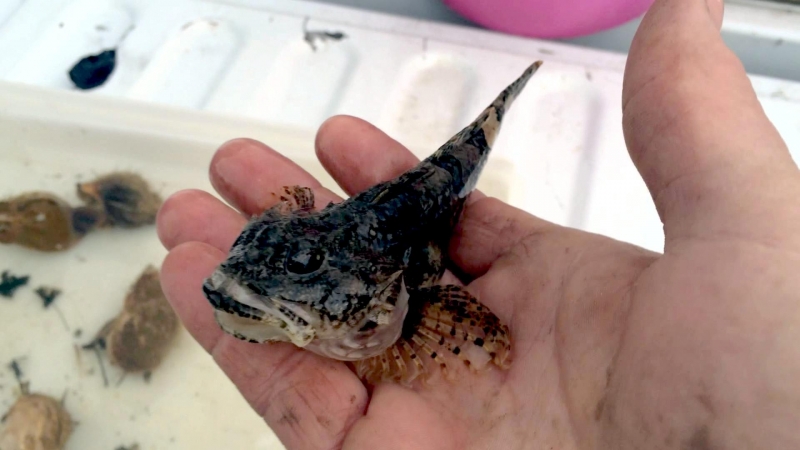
pixel 256 318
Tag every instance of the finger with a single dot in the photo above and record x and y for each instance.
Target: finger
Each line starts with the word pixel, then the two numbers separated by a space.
pixel 194 215
pixel 490 229
pixel 250 175
pixel 308 401
pixel 358 155
pixel 693 124
pixel 182 274
pixel 388 424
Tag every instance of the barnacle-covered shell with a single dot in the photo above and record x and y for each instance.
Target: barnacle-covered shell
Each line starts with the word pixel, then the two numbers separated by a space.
pixel 43 221
pixel 125 197
pixel 35 422
pixel 140 336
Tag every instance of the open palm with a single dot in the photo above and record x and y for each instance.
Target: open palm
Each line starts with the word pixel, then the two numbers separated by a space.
pixel 614 346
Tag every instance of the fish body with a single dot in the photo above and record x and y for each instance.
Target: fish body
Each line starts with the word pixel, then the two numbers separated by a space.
pixel 358 280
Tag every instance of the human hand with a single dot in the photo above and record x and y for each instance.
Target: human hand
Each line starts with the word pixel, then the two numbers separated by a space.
pixel 614 346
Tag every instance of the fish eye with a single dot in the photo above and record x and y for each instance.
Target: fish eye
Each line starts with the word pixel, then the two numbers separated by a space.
pixel 305 261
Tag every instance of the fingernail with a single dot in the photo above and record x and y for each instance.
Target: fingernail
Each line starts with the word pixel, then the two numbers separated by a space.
pixel 231 165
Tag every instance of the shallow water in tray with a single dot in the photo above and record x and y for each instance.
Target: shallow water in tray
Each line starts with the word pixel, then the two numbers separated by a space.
pixel 187 402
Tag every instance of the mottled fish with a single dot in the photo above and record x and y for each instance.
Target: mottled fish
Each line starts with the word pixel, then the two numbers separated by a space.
pixel 358 280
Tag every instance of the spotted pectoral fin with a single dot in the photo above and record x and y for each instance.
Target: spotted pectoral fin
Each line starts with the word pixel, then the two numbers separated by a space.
pixel 448 325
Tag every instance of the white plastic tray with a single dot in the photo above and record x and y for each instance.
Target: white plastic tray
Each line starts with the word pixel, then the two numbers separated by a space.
pixel 241 68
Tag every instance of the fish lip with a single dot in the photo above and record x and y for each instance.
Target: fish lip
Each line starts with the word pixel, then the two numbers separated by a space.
pixel 227 295
pixel 221 300
pixel 224 291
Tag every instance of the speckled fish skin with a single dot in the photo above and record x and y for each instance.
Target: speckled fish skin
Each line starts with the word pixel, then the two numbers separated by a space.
pixel 356 281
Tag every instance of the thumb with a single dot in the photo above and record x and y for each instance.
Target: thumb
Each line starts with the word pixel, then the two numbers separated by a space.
pixel 693 124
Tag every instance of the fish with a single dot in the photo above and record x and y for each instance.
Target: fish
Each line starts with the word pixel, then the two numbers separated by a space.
pixel 359 281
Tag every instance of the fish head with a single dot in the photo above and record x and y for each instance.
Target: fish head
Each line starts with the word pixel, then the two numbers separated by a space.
pixel 317 283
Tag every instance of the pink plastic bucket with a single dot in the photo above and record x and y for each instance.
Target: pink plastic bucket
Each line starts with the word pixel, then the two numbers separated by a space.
pixel 549 18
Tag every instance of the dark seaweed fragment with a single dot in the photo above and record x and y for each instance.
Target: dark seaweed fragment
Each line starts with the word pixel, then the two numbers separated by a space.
pixel 10 283
pixel 93 70
pixel 311 37
pixel 14 366
pixel 98 345
pixel 48 295
pixel 124 447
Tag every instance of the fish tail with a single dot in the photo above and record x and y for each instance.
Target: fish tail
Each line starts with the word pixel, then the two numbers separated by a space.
pixel 465 153
pixel 496 111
